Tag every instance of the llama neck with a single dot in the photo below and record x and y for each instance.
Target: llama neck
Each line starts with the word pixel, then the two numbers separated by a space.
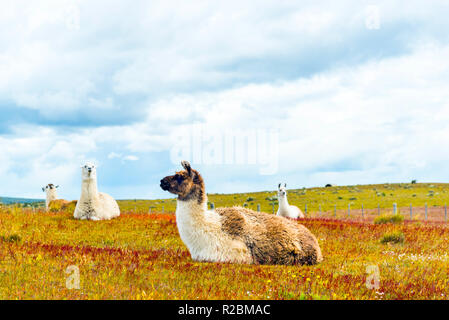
pixel 51 195
pixel 283 202
pixel 89 189
pixel 191 212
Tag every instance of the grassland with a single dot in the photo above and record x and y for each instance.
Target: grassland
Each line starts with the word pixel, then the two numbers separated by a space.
pixel 435 195
pixel 140 256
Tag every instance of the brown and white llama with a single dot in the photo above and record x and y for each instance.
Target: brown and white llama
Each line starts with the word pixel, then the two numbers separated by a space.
pixel 236 234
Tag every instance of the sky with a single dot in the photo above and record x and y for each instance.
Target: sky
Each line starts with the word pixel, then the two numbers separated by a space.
pixel 253 93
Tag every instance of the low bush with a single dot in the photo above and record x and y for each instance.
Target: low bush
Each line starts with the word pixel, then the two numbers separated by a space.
pixel 393 237
pixel 11 238
pixel 389 218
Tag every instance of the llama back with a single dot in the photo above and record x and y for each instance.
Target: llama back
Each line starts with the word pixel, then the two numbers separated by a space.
pixel 108 206
pixel 271 239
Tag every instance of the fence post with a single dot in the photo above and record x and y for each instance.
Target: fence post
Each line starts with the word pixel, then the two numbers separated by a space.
pixel 258 207
pixel 149 211
pixel 426 211
pixel 162 209
pixel 335 211
pixel 445 213
pixel 306 209
pixel 378 209
pixel 349 209
pixel 411 212
pixel 363 215
pixel 272 204
pixel 320 209
pixel 395 208
pixel 212 206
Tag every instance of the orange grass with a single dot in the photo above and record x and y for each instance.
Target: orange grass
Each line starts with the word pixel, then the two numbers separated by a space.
pixel 140 256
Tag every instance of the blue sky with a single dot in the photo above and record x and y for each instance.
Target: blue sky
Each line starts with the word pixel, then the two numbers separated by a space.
pixel 357 93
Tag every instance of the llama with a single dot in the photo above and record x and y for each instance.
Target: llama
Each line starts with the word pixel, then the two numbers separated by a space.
pixel 52 203
pixel 51 194
pixel 94 205
pixel 286 210
pixel 235 235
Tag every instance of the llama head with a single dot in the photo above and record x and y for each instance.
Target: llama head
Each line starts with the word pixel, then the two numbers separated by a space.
pixel 282 190
pixel 186 184
pixel 49 187
pixel 89 171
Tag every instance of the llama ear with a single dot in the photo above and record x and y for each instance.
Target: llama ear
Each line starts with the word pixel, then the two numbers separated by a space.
pixel 285 185
pixel 57 187
pixel 279 186
pixel 43 189
pixel 186 165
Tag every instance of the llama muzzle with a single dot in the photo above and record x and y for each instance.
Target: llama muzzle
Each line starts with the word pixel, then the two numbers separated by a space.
pixel 165 185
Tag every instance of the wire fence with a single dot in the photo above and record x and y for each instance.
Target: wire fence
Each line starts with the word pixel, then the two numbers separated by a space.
pixel 426 213
pixel 435 213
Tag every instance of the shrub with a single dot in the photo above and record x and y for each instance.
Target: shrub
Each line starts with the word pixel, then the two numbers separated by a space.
pixel 414 181
pixel 393 237
pixel 11 238
pixel 389 218
pixel 250 199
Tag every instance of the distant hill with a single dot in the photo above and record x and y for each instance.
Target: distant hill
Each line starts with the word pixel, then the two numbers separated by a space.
pixel 7 200
pixel 370 196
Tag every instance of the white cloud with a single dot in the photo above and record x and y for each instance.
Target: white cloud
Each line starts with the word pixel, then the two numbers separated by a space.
pixel 114 155
pixel 131 158
pixel 229 67
pixel 34 157
pixel 380 121
pixel 386 119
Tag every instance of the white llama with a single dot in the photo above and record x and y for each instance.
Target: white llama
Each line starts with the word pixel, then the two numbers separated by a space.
pixel 51 194
pixel 286 210
pixel 237 234
pixel 94 205
pixel 52 203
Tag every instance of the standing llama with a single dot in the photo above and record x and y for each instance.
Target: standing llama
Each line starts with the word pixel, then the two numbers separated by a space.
pixel 236 235
pixel 286 210
pixel 94 205
pixel 52 203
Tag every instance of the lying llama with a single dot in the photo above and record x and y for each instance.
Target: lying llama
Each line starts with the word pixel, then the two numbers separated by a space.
pixel 51 194
pixel 236 235
pixel 286 210
pixel 94 205
pixel 52 203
